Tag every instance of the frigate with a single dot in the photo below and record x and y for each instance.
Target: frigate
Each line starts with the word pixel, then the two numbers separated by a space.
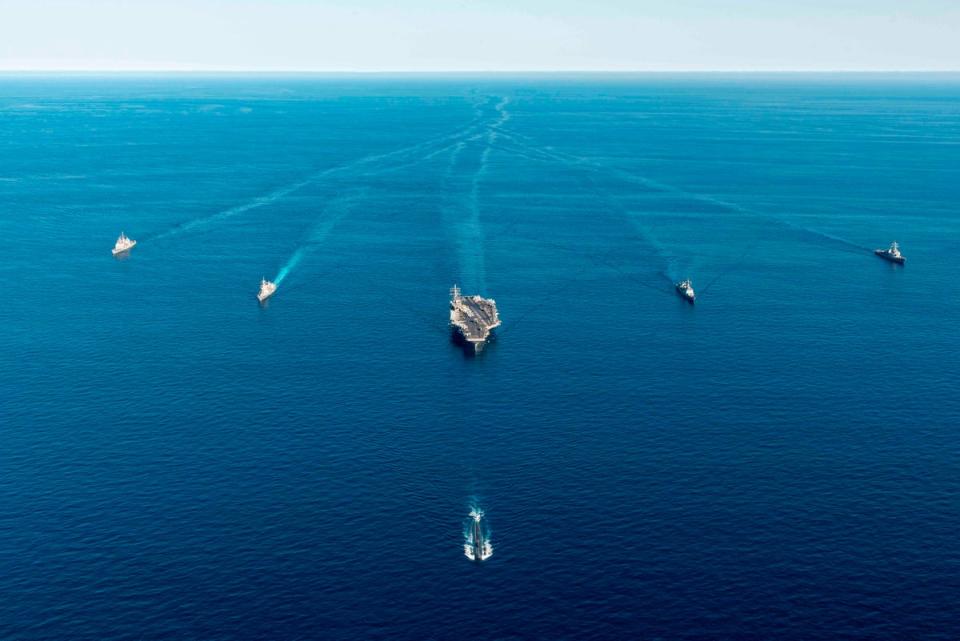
pixel 892 254
pixel 123 245
pixel 266 290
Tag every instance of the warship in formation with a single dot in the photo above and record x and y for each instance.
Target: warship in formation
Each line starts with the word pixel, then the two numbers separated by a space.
pixel 266 289
pixel 123 245
pixel 477 548
pixel 892 254
pixel 472 318
pixel 685 289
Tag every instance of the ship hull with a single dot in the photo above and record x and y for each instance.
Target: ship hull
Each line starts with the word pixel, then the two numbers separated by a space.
pixel 893 259
pixel 117 252
pixel 477 536
pixel 469 347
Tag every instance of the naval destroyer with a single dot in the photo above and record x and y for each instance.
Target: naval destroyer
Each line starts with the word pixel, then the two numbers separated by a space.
pixel 123 244
pixel 266 290
pixel 472 318
pixel 685 289
pixel 892 254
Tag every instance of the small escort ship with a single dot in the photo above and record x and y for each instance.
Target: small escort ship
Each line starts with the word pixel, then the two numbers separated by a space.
pixel 266 289
pixel 685 289
pixel 892 254
pixel 124 244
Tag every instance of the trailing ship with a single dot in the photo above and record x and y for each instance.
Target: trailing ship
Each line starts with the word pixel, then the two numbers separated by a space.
pixel 472 318
pixel 266 289
pixel 685 289
pixel 892 254
pixel 123 244
pixel 477 548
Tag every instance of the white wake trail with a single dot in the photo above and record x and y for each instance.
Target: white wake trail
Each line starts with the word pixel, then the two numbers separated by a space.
pixel 291 263
pixel 233 211
pixel 472 237
pixel 340 206
pixel 286 190
pixel 472 240
pixel 332 214
pixel 626 176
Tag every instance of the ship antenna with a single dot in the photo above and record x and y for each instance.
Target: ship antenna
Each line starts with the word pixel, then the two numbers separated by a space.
pixel 455 293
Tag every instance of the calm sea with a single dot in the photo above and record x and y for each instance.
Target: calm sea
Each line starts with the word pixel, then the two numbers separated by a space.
pixel 779 461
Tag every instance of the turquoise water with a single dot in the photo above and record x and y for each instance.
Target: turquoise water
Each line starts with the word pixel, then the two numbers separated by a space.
pixel 779 461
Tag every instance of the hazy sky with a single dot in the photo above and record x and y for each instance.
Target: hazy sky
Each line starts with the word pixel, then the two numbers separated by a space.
pixel 426 35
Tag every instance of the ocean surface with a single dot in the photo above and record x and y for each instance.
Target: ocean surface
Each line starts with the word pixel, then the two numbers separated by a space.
pixel 779 461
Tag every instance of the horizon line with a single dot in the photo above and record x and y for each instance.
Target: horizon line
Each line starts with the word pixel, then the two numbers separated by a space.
pixel 227 70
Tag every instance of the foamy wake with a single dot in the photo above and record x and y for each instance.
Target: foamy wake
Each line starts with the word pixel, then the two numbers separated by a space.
pixel 504 115
pixel 332 214
pixel 403 157
pixel 471 236
pixel 545 155
pixel 290 264
pixel 260 201
pixel 487 551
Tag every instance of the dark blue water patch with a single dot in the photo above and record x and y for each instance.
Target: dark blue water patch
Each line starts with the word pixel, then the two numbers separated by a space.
pixel 777 461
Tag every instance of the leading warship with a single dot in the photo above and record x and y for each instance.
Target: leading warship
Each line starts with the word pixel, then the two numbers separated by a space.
pixel 477 548
pixel 123 245
pixel 266 290
pixel 685 289
pixel 472 318
pixel 892 254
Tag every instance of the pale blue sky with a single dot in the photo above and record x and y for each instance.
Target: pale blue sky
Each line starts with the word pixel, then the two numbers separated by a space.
pixel 433 35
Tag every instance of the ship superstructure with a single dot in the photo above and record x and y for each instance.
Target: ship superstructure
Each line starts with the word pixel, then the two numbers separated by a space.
pixel 472 318
pixel 892 254
pixel 266 289
pixel 685 289
pixel 123 244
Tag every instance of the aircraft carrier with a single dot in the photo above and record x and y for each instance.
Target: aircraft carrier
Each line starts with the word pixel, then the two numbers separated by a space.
pixel 472 318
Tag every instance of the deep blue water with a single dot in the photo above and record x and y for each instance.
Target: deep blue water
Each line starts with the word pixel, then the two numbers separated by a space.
pixel 780 461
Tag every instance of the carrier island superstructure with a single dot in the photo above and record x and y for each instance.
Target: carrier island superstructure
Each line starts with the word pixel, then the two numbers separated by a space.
pixel 472 318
